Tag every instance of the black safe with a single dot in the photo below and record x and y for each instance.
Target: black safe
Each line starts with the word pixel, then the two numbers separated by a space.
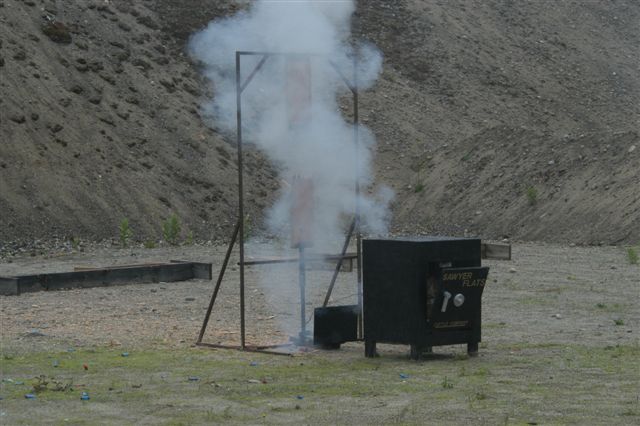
pixel 422 292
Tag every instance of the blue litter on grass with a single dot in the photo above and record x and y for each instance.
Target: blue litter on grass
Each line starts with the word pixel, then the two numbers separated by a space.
pixel 300 397
pixel 56 363
pixel 71 350
pixel 84 396
pixel 404 376
pixel 194 379
pixel 30 396
pixel 253 364
pixel 125 354
pixel 18 383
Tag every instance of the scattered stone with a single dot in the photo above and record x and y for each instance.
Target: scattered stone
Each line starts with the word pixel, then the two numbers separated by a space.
pixel 57 32
pixel 95 99
pixel 147 21
pixel 96 66
pixel 557 316
pixel 124 27
pixel 140 63
pixel 56 128
pixel 20 55
pixel 513 270
pixel 631 149
pixel 82 45
pixel 77 89
pixel 108 78
pixel 17 118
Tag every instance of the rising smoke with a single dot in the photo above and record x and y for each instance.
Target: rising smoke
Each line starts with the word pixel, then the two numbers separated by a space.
pixel 321 148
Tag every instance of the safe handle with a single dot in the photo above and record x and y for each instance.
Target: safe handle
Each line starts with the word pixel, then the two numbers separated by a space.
pixel 445 301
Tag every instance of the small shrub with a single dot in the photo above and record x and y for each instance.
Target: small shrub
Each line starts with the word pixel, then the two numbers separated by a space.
pixel 171 229
pixel 532 195
pixel 189 240
pixel 150 244
pixel 125 232
pixel 632 255
pixel 601 305
pixel 75 243
pixel 446 383
pixel 418 188
pixel 618 322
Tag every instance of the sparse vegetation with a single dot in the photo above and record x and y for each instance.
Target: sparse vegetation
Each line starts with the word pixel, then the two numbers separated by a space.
pixel 418 188
pixel 125 232
pixel 446 383
pixel 75 243
pixel 149 244
pixel 532 195
pixel 171 229
pixel 618 321
pixel 632 255
pixel 189 240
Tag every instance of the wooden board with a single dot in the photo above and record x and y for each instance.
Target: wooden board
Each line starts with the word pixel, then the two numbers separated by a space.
pixel 97 277
pixel 496 251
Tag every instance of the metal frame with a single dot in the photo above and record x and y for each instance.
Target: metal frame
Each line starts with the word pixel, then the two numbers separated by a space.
pixel 239 227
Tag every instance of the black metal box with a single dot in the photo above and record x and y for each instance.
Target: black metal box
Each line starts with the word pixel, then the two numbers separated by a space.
pixel 422 292
pixel 335 325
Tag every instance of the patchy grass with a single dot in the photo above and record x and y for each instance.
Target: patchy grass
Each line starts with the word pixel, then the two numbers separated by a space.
pixel 542 382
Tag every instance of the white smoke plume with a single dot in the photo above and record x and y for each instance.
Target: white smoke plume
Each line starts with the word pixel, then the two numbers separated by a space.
pixel 323 148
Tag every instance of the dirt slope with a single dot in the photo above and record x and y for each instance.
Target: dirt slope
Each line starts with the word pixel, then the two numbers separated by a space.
pixel 105 127
pixel 497 118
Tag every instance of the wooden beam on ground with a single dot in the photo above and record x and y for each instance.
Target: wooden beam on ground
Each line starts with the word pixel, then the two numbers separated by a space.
pixel 496 251
pixel 109 276
pixel 313 261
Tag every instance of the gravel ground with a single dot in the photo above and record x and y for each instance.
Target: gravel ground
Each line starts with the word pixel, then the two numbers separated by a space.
pixel 548 293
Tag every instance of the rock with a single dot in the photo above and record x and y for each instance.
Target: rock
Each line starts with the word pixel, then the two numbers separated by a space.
pixel 57 32
pixel 147 21
pixel 513 270
pixel 77 89
pixel 17 118
pixel 557 316
pixel 20 55
pixel 56 128
pixel 631 149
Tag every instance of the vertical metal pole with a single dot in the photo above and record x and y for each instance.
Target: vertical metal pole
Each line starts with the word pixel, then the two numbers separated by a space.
pixel 240 196
pixel 303 284
pixel 220 276
pixel 356 122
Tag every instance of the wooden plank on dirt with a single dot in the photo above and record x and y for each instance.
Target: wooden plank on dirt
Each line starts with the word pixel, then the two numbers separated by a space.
pixel 8 286
pixel 313 261
pixel 496 251
pixel 110 276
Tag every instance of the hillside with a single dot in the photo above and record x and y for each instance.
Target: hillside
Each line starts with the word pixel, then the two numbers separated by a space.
pixel 498 119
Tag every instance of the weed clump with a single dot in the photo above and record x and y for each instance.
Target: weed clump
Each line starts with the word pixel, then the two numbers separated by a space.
pixel 632 255
pixel 532 195
pixel 171 230
pixel 125 232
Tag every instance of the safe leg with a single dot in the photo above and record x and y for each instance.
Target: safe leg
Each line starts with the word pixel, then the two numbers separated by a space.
pixel 369 348
pixel 472 348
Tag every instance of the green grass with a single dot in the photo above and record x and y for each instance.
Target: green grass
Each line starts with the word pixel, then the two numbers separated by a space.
pixel 125 232
pixel 632 256
pixel 514 381
pixel 171 230
pixel 532 195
